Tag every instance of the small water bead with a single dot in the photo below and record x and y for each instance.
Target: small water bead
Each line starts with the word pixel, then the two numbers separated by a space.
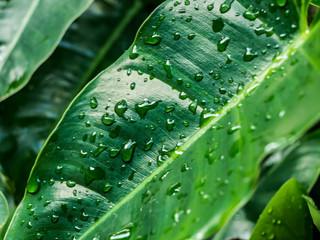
pixel 93 137
pixel 189 19
pixel 225 7
pixel 148 145
pixel 54 218
pixel 199 77
pixel 186 2
pixel 210 7
pixel 155 39
pixel 174 189
pixel 145 106
pixel 39 236
pixel 93 103
pixel 127 150
pixel 71 183
pixel 121 107
pixel 134 53
pixel 107 188
pixel 108 119
pixel 281 3
pixel 264 29
pixel 101 147
pixel 168 68
pixel 250 14
pixel 193 107
pixel 177 36
pixel 217 25
pixel 170 124
pixel 58 169
pixel 183 95
pixel 114 151
pixel 88 123
pixel 133 86
pixel 249 55
pixel 223 44
pixel 81 115
pixel 191 36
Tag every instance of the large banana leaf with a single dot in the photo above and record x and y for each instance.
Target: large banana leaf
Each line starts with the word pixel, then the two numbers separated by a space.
pixel 96 33
pixel 29 31
pixel 166 143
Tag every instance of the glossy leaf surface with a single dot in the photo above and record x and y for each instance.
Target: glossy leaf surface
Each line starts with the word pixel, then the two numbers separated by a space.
pixel 166 143
pixel 286 216
pixel 92 43
pixel 30 30
pixel 315 214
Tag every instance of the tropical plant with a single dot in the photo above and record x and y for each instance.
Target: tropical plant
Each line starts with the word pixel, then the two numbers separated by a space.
pixel 207 120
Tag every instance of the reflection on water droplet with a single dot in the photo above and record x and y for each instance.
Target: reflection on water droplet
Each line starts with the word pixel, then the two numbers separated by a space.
pixel 249 55
pixel 33 185
pixel 168 67
pixel 128 150
pixel 153 40
pixel 121 107
pixel 225 7
pixel 148 145
pixel 144 107
pixel 223 44
pixel 174 189
pixel 107 187
pixel 108 119
pixel 134 52
pixel 93 103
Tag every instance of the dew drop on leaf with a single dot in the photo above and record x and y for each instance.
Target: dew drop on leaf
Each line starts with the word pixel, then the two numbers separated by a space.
pixel 153 40
pixel 217 25
pixel 93 173
pixel 225 7
pixel 108 119
pixel 128 150
pixel 121 107
pixel 93 103
pixel 168 68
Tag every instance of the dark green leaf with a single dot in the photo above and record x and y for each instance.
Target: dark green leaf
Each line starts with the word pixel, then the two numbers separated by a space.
pixel 286 216
pixel 30 30
pixel 316 3
pixel 299 161
pixel 27 118
pixel 95 176
pixel 315 214
pixel 4 210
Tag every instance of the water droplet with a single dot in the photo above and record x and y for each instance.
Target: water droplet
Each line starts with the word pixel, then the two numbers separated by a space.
pixel 71 183
pixel 168 67
pixel 185 167
pixel 58 169
pixel 84 216
pixel 281 3
pixel 264 29
pixel 210 7
pixel 121 107
pixel 191 36
pixel 33 185
pixel 183 95
pixel 134 52
pixel 123 234
pixel 128 150
pixel 144 107
pixel 198 77
pixel 114 133
pixel 81 115
pixel 249 55
pixel 93 173
pixel 193 107
pixel 225 7
pixel 108 119
pixel 101 147
pixel 223 44
pixel 54 218
pixel 153 40
pixel 133 86
pixel 174 189
pixel 250 14
pixel 114 151
pixel 39 236
pixel 217 25
pixel 107 187
pixel 170 124
pixel 169 108
pixel 93 103
pixel 148 145
pixel 176 36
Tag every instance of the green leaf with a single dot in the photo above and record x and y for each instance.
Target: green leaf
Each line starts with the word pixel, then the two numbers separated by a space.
pixel 286 216
pixel 4 210
pixel 315 214
pixel 93 41
pixel 299 161
pixel 129 159
pixel 30 30
pixel 316 2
